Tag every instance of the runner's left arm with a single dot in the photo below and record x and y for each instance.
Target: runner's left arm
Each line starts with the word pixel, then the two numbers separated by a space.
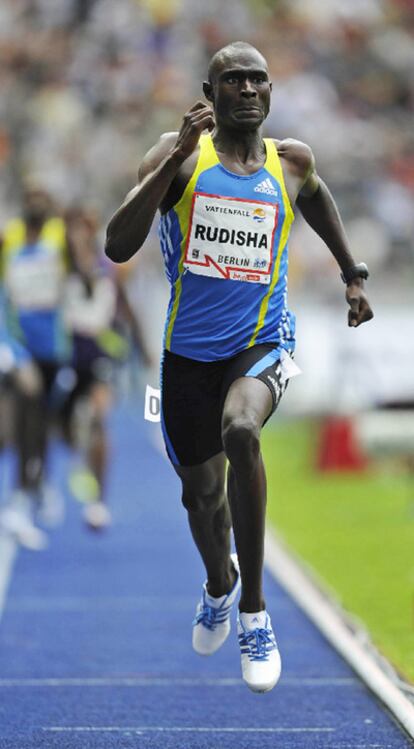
pixel 320 211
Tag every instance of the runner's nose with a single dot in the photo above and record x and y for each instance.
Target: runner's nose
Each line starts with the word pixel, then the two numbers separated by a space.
pixel 247 90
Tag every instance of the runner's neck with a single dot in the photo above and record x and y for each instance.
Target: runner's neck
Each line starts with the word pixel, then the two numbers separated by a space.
pixel 245 150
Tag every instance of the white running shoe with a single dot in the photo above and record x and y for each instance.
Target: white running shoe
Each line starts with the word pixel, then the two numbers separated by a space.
pixel 97 516
pixel 16 520
pixel 211 625
pixel 260 659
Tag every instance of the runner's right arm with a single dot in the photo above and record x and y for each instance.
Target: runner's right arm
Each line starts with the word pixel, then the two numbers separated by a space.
pixel 130 225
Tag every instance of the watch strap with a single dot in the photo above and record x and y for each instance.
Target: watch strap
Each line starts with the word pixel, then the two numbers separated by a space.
pixel 355 271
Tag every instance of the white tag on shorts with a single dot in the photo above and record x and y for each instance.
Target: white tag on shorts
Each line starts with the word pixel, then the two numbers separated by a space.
pixel 288 368
pixel 231 238
pixel 152 410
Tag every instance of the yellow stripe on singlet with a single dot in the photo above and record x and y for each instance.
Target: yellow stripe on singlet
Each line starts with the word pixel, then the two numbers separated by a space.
pixel 206 159
pixel 274 166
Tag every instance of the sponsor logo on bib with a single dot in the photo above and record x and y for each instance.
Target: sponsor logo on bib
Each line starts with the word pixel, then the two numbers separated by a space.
pixel 259 215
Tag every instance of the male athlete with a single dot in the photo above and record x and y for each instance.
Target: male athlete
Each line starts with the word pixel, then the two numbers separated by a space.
pixel 33 270
pixel 226 200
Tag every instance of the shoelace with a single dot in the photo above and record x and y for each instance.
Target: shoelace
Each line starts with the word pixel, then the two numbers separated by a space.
pixel 257 644
pixel 210 616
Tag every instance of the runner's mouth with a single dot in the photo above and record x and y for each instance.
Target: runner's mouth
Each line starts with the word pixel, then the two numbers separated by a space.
pixel 248 111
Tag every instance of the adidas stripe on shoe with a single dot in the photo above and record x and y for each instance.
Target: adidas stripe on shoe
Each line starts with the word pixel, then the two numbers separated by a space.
pixel 260 659
pixel 211 625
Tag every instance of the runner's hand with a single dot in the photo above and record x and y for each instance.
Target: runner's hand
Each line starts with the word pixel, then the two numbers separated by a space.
pixel 360 308
pixel 200 117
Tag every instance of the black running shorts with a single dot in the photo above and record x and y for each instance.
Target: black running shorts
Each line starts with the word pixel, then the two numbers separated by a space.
pixel 193 394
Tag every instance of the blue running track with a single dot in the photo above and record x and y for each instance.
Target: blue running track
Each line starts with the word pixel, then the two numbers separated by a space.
pixel 95 639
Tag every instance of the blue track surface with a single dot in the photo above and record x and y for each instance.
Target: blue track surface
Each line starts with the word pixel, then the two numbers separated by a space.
pixel 95 640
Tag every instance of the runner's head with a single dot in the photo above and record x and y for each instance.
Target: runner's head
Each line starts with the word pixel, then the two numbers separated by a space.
pixel 238 86
pixel 37 205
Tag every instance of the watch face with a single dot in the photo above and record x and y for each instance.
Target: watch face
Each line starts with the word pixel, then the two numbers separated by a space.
pixel 362 270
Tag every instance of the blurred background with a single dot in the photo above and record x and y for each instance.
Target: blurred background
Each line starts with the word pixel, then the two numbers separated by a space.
pixel 86 87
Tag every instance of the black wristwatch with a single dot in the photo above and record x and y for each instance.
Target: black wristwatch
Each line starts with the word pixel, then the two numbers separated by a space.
pixel 355 271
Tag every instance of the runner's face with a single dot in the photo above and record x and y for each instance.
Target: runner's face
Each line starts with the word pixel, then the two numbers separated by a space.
pixel 241 91
pixel 36 206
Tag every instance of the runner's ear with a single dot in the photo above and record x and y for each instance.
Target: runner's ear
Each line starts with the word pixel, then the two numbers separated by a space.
pixel 208 91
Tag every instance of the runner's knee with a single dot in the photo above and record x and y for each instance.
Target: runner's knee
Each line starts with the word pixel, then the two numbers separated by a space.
pixel 241 440
pixel 28 382
pixel 202 499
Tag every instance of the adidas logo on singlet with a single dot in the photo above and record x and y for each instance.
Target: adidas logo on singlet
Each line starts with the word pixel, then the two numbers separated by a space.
pixel 266 186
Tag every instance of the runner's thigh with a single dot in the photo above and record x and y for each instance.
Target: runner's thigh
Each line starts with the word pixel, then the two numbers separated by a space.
pixel 191 409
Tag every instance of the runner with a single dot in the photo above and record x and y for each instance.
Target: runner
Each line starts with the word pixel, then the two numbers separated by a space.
pixel 33 269
pixel 99 318
pixel 226 200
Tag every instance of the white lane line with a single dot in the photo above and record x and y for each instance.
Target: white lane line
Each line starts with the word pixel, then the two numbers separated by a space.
pixel 8 551
pixel 183 729
pixel 168 682
pixel 331 621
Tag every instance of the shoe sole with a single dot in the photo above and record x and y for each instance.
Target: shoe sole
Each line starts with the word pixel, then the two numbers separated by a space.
pixel 260 689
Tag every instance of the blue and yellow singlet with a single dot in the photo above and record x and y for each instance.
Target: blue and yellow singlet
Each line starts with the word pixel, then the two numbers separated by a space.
pixel 32 275
pixel 225 247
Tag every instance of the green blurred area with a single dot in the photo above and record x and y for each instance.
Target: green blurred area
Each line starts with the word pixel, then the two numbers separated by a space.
pixel 356 530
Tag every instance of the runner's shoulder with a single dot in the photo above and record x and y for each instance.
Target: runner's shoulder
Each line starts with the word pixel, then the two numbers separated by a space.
pixel 168 139
pixel 157 153
pixel 297 155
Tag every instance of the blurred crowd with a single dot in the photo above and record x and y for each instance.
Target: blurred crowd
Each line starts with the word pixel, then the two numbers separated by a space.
pixel 87 85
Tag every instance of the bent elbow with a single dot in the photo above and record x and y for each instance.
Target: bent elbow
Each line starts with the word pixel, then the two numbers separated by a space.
pixel 117 251
pixel 111 250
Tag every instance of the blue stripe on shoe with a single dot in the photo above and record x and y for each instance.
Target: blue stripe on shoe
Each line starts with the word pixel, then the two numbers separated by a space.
pixel 210 616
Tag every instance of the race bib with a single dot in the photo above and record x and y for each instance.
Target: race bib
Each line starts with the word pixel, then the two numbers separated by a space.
pixel 231 238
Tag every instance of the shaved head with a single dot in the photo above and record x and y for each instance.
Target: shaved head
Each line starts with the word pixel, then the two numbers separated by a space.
pixel 225 54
